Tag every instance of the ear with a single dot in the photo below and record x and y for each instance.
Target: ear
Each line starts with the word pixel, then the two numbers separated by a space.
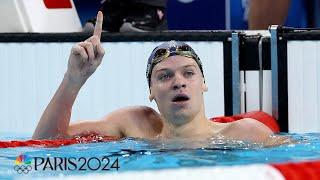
pixel 204 87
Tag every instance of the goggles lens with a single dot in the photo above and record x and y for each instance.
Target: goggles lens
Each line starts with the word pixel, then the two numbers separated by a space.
pixel 162 53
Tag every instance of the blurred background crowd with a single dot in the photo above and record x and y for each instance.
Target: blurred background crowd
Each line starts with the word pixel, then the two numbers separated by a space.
pixel 156 15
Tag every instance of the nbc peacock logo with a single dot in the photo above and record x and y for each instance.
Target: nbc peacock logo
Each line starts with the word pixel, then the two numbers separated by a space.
pixel 22 164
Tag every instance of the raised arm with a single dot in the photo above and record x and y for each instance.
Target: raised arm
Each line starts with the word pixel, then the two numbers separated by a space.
pixel 84 59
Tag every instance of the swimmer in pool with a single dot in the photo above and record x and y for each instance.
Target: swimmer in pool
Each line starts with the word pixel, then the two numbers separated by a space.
pixel 176 84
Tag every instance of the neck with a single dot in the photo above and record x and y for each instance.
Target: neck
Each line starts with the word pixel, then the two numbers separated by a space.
pixel 198 126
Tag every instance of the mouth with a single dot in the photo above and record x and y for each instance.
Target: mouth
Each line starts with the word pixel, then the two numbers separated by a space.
pixel 180 98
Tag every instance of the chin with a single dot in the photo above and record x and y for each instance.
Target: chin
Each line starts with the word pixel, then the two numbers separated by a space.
pixel 182 115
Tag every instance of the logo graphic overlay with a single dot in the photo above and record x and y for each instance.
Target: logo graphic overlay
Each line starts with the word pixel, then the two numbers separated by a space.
pixel 22 164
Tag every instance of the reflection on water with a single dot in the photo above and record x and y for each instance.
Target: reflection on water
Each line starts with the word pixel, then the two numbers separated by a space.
pixel 139 154
pixel 212 143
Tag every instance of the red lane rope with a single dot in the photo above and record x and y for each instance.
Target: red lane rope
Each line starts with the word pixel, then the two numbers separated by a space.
pixel 57 142
pixel 299 170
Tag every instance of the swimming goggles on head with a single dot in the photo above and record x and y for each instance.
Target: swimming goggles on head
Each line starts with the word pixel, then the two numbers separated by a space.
pixel 167 49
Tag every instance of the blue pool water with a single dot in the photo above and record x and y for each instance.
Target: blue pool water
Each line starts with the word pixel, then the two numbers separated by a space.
pixel 138 154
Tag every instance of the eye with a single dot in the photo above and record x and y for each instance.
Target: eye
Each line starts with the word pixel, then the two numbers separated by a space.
pixel 189 73
pixel 164 77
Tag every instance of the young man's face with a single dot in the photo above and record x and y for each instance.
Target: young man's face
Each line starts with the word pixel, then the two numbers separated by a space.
pixel 177 85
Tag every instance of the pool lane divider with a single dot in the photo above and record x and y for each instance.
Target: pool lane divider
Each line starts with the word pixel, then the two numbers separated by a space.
pixel 281 171
pixel 92 138
pixel 299 170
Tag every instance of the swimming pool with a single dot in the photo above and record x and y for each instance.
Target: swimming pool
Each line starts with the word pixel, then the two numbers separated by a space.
pixel 138 156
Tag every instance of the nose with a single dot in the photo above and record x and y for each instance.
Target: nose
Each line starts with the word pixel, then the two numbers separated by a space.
pixel 179 82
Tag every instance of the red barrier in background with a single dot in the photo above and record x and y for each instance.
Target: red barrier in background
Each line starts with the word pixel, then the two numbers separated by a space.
pixel 57 4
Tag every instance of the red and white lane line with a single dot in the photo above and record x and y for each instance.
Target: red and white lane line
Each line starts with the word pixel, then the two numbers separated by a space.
pixel 303 170
pixel 291 171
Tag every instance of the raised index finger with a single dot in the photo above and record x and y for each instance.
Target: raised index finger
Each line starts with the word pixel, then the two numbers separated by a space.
pixel 98 27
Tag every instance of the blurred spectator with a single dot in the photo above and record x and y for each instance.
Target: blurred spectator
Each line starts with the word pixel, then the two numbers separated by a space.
pixel 313 8
pixel 131 16
pixel 263 13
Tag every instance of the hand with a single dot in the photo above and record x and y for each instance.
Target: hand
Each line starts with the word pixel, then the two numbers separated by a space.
pixel 86 56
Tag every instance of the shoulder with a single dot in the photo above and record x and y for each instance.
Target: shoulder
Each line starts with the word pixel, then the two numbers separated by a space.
pixel 131 113
pixel 253 126
pixel 248 129
pixel 135 121
pixel 251 123
pixel 122 122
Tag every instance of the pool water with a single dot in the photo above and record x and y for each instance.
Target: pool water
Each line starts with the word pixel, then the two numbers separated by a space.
pixel 138 154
